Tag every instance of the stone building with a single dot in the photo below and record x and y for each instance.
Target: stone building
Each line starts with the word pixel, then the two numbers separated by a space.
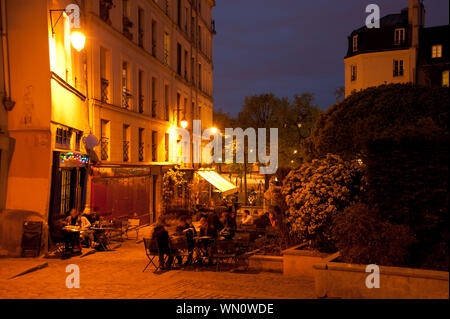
pixel 402 50
pixel 92 126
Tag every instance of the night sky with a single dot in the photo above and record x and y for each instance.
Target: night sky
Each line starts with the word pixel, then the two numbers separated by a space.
pixel 290 46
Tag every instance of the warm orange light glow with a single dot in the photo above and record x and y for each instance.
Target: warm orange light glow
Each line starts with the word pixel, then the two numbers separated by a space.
pixel 214 130
pixel 78 40
pixel 184 123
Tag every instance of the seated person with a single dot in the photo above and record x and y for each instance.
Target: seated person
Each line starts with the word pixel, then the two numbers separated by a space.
pixel 262 221
pixel 161 236
pixel 203 226
pixel 247 219
pixel 227 231
pixel 272 220
pixel 186 228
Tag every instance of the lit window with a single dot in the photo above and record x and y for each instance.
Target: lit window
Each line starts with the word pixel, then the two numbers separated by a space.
pixel 398 68
pixel 399 37
pixel 436 51
pixel 354 72
pixel 445 78
pixel 355 43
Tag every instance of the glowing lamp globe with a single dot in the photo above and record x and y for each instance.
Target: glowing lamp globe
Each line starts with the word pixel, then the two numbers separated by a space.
pixel 184 123
pixel 78 40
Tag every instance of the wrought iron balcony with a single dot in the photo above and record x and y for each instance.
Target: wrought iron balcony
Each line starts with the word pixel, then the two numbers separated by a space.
pixel 154 108
pixel 126 151
pixel 104 142
pixel 141 38
pixel 104 90
pixel 105 7
pixel 126 97
pixel 166 57
pixel 127 24
pixel 141 152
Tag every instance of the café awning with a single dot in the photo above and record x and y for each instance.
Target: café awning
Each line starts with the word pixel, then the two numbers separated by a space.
pixel 219 182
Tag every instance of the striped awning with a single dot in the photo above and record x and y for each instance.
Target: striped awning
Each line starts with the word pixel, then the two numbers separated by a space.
pixel 218 182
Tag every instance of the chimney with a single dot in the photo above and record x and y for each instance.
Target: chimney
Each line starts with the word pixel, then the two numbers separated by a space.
pixel 416 19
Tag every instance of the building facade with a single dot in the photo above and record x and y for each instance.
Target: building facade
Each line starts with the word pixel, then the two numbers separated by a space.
pixel 396 52
pixel 94 127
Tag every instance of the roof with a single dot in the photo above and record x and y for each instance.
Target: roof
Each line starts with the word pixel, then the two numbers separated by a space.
pixel 390 20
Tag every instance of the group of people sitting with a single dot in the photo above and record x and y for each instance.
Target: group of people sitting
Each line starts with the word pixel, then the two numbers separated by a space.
pixel 82 222
pixel 218 224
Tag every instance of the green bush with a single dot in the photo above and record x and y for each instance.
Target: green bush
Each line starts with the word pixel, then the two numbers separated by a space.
pixel 362 237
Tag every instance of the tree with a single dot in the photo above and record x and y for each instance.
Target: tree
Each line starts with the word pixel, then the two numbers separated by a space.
pixel 400 133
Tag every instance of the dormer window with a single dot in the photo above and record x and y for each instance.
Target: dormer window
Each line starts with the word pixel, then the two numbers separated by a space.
pixel 355 43
pixel 399 37
pixel 436 51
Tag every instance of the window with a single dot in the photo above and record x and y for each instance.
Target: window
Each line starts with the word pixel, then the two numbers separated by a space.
pixel 179 13
pixel 104 141
pixel 445 78
pixel 141 91
pixel 193 110
pixel 78 136
pixel 63 137
pixel 126 22
pixel 354 72
pixel 436 51
pixel 126 95
pixel 178 108
pixel 355 43
pixel 186 61
pixel 153 97
pixel 200 76
pixel 141 145
pixel 104 74
pixel 398 68
pixel 126 143
pixel 399 36
pixel 141 27
pixel 154 38
pixel 166 58
pixel 166 146
pixel 200 37
pixel 179 62
pixel 166 102
pixel 154 146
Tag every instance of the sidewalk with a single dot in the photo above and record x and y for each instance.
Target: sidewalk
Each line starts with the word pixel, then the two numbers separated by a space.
pixel 118 274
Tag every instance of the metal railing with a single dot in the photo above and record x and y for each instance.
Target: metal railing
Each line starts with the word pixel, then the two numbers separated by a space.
pixel 104 90
pixel 104 142
pixel 141 152
pixel 154 108
pixel 126 151
pixel 126 97
pixel 166 57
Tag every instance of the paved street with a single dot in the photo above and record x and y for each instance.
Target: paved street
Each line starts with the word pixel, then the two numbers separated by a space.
pixel 118 274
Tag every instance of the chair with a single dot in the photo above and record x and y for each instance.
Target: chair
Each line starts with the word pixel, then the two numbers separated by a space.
pixel 224 251
pixel 118 229
pixel 151 251
pixel 133 224
pixel 178 248
pixel 243 247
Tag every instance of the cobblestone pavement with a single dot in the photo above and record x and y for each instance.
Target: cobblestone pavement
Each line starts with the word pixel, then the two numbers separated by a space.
pixel 118 274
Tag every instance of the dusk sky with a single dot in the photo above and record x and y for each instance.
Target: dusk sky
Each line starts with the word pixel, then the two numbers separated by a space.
pixel 290 46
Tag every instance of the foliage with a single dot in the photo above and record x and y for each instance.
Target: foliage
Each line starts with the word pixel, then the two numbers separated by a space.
pixel 400 133
pixel 316 192
pixel 362 237
pixel 173 181
pixel 346 127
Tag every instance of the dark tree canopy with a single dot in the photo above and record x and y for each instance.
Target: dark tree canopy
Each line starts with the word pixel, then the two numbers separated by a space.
pixel 347 127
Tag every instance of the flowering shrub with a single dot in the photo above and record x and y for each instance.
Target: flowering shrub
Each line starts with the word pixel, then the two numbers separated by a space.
pixel 173 182
pixel 315 192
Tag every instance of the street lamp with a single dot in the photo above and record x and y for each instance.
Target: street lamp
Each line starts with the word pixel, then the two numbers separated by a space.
pixel 184 123
pixel 78 39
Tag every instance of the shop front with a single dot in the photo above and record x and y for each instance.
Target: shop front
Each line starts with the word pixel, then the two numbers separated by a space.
pixel 121 192
pixel 68 188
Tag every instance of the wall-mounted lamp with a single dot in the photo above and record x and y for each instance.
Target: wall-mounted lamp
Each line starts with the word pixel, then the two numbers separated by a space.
pixel 77 37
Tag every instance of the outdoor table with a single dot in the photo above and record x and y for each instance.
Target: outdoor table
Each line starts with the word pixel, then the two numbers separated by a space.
pixel 71 235
pixel 101 235
pixel 201 251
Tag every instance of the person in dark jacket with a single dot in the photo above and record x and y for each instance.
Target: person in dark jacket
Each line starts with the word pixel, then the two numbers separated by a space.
pixel 186 228
pixel 161 236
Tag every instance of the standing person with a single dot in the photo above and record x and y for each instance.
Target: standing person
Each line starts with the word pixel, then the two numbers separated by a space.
pixel 203 226
pixel 186 228
pixel 247 219
pixel 161 236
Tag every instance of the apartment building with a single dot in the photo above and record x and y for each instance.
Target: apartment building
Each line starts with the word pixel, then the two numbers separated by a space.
pixel 400 51
pixel 89 121
pixel 152 69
